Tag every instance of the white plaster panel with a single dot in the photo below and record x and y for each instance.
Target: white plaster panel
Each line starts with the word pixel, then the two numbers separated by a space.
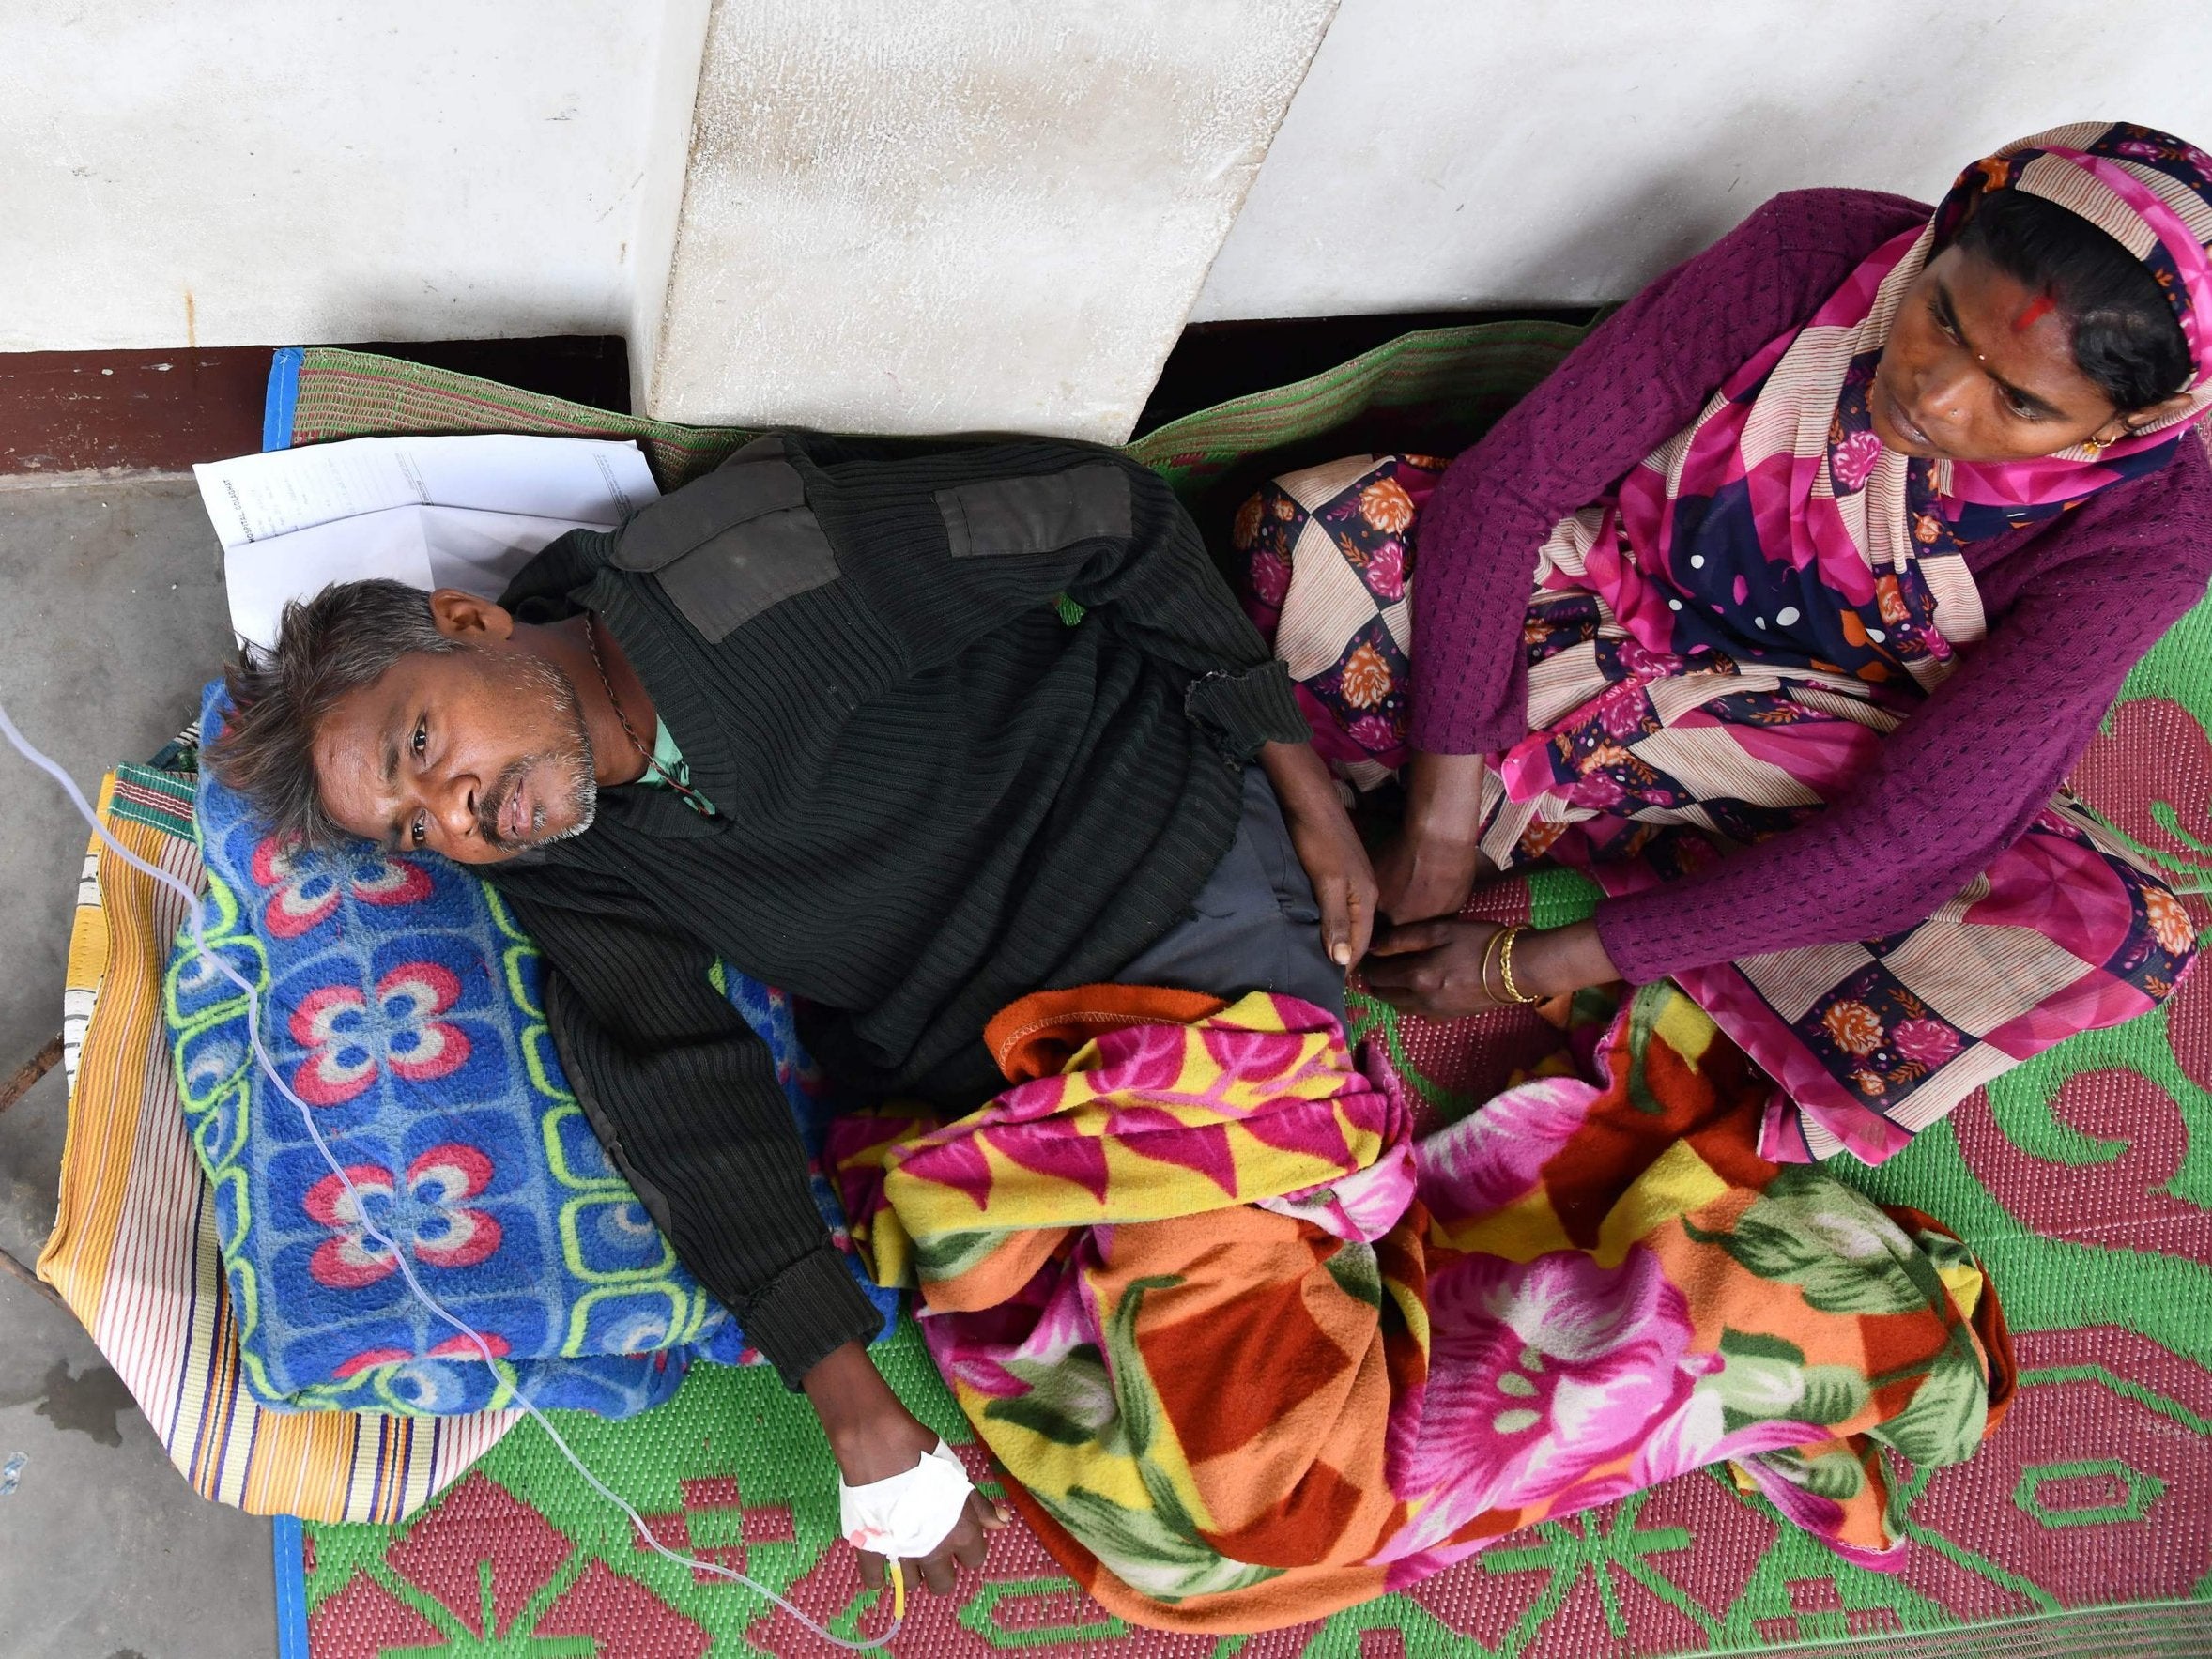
pixel 410 169
pixel 1481 153
pixel 992 215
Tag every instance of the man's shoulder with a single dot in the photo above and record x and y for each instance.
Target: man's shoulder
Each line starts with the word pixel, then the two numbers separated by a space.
pixel 582 874
pixel 542 590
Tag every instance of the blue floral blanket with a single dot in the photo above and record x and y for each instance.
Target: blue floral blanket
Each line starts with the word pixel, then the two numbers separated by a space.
pixel 400 1001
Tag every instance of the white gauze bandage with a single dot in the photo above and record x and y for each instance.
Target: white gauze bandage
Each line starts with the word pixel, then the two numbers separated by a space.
pixel 908 1515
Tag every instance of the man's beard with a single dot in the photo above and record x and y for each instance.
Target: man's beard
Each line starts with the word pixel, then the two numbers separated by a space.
pixel 569 758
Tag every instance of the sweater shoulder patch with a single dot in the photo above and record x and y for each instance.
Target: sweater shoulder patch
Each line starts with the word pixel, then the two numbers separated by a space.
pixel 731 579
pixel 734 544
pixel 752 484
pixel 1002 516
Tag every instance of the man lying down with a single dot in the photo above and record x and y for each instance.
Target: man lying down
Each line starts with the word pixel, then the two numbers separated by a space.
pixel 821 715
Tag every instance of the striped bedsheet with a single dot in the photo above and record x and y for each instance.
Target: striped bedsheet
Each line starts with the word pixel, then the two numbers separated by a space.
pixel 134 1248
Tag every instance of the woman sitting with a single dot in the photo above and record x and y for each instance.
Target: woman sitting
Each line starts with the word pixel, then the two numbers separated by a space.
pixel 1784 607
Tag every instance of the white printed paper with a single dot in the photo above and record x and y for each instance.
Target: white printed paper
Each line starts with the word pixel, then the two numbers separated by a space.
pixel 463 512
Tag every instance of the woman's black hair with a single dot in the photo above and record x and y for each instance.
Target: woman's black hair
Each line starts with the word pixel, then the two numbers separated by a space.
pixel 2126 337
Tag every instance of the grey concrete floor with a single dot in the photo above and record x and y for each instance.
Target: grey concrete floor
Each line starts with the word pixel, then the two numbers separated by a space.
pixel 113 617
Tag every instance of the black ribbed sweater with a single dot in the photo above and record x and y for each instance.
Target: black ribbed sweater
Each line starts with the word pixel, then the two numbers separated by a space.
pixel 934 797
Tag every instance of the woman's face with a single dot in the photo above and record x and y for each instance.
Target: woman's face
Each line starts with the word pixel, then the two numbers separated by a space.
pixel 1980 367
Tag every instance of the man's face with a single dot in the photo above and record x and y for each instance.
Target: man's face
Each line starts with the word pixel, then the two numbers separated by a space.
pixel 477 754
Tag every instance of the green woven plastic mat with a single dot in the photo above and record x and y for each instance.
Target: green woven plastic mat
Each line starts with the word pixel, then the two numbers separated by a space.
pixel 2085 1180
pixel 1433 389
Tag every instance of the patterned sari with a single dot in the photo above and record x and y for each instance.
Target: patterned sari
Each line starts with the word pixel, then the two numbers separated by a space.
pixel 1716 650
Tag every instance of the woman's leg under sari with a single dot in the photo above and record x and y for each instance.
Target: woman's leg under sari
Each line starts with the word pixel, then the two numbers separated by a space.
pixel 1641 768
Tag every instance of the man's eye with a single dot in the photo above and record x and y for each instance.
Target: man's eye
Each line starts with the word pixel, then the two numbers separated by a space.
pixel 418 831
pixel 422 738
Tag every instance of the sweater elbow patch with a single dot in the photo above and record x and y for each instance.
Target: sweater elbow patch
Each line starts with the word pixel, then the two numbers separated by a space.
pixel 1005 517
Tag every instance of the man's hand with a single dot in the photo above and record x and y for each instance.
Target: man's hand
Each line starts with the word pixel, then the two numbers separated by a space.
pixel 963 1546
pixel 1418 876
pixel 1432 864
pixel 1329 847
pixel 874 1437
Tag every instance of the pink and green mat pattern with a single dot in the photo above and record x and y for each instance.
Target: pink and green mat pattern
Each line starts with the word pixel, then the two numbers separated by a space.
pixel 2083 1180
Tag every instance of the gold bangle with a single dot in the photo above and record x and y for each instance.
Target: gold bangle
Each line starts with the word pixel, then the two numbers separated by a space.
pixel 1489 951
pixel 1513 993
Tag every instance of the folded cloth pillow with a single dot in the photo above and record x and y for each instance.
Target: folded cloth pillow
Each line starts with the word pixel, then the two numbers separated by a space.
pixel 400 1001
pixel 132 1251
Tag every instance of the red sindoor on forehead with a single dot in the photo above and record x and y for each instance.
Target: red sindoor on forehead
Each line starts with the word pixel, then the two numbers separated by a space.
pixel 2041 304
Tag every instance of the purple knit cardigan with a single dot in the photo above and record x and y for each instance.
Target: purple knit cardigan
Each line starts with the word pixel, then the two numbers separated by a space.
pixel 2072 603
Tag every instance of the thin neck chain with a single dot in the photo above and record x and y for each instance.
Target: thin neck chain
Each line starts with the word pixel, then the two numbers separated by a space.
pixel 606 684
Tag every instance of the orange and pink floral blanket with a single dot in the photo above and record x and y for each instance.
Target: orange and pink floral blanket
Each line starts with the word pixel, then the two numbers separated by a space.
pixel 1252 1354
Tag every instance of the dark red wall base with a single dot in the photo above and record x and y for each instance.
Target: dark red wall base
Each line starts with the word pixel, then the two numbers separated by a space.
pixel 64 411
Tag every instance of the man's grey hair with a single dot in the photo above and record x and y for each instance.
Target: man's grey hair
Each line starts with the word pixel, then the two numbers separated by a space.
pixel 346 638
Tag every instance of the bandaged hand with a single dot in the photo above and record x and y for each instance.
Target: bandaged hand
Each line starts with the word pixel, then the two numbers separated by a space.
pixel 907 1515
pixel 902 1494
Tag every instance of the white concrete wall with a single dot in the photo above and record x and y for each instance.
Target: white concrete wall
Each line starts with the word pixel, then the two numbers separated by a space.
pixel 1449 153
pixel 941 216
pixel 235 172
pixel 909 215
pixel 680 50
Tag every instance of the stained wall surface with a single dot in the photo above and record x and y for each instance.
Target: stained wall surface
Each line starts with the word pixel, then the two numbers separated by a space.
pixel 985 215
pixel 941 219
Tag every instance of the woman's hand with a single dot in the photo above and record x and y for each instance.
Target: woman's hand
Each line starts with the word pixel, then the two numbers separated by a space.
pixel 1432 968
pixel 1334 857
pixel 1431 865
pixel 874 1437
pixel 1435 968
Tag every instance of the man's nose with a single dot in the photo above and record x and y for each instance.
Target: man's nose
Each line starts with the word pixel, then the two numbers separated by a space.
pixel 454 801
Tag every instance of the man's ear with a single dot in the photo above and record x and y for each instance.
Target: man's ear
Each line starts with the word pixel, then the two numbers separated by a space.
pixel 466 617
